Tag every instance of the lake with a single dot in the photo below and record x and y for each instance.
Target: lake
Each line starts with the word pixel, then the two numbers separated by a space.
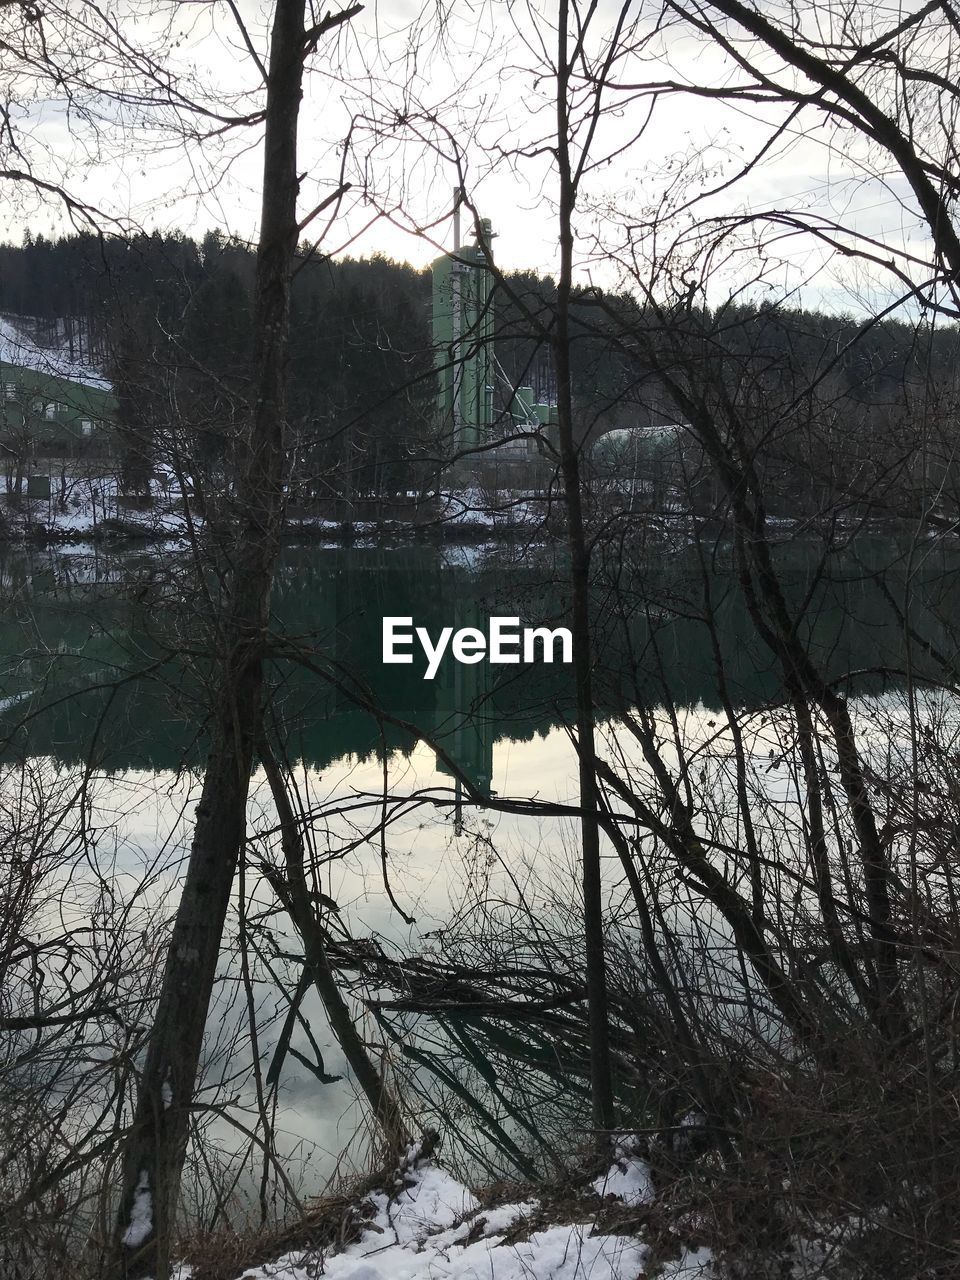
pixel 102 688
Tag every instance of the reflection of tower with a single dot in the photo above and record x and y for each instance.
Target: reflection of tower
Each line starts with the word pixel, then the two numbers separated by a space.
pixel 464 718
pixel 344 592
pixel 463 340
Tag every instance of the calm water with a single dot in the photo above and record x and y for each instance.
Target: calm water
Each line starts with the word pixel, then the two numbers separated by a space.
pixel 111 643
pixel 102 669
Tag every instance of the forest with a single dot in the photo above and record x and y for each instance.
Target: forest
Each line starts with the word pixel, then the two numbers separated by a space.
pixel 170 320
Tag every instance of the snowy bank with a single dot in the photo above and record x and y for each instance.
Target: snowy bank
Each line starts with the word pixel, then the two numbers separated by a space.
pixel 434 1228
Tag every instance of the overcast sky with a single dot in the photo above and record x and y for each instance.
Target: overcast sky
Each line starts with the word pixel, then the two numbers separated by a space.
pixel 483 77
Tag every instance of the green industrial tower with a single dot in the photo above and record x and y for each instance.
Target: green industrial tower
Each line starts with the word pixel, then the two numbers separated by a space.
pixel 463 341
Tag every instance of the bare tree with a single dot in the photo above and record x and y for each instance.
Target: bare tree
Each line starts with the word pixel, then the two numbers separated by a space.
pixel 154 1153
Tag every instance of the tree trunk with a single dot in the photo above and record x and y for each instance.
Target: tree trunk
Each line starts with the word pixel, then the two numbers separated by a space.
pixel 601 1084
pixel 154 1154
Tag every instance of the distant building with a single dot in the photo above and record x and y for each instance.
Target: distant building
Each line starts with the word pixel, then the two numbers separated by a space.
pixel 476 405
pixel 49 403
pixel 463 343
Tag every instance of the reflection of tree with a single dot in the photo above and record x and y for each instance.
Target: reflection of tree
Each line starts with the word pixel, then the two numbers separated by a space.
pixel 662 627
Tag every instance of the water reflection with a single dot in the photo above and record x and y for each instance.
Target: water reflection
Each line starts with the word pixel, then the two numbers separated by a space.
pixel 108 660
pixel 101 663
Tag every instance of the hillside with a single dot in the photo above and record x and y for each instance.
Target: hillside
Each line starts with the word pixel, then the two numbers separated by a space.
pixel 29 342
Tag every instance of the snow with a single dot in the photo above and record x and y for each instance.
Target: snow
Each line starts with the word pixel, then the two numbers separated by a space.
pixel 434 1201
pixel 422 1234
pixel 628 1178
pixel 467 506
pixel 18 347
pixel 691 1263
pixel 432 1227
pixel 558 1253
pixel 474 508
pixel 93 499
pixel 141 1215
pixel 503 1216
pixel 630 1184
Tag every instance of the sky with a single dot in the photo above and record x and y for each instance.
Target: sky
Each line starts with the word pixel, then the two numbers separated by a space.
pixel 475 86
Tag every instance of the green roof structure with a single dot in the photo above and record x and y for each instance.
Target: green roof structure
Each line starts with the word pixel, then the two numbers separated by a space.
pixel 47 399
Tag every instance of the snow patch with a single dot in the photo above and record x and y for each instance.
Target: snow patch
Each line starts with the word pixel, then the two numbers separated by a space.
pixel 628 1178
pixel 413 1237
pixel 433 1202
pixel 141 1215
pixel 505 1216
pixel 19 347
pixel 691 1264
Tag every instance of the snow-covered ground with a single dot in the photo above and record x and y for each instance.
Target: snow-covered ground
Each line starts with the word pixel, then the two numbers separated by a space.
pixel 434 1228
pixel 91 507
pixel 20 345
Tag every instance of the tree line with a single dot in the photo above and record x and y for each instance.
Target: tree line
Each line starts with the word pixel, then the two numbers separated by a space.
pixel 169 318
pixel 170 321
